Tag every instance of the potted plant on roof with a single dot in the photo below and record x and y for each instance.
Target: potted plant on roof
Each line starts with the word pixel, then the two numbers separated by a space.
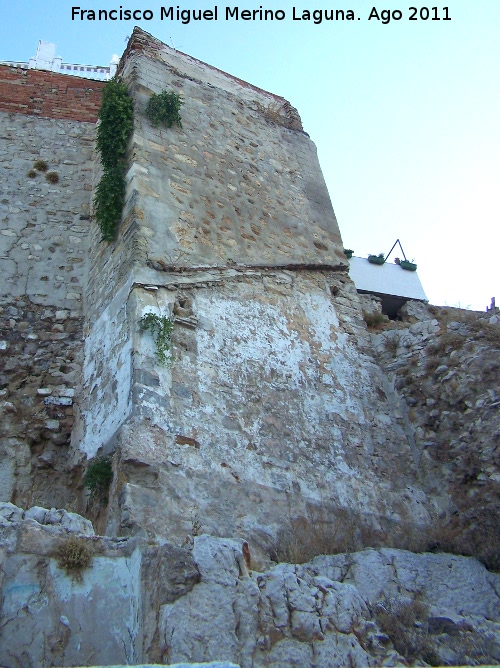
pixel 376 259
pixel 409 266
pixel 348 253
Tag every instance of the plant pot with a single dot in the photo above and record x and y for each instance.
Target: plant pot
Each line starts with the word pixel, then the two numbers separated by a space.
pixel 375 259
pixel 409 266
pixel 348 253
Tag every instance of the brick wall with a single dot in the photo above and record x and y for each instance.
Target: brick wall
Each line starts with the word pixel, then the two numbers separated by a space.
pixel 49 94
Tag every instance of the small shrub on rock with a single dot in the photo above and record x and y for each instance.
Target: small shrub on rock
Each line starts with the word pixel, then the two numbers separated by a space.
pixel 74 555
pixel 392 343
pixel 406 624
pixel 374 320
pixel 303 538
pixel 98 477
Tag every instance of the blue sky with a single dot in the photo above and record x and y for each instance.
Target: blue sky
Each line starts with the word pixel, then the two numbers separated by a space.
pixel 405 114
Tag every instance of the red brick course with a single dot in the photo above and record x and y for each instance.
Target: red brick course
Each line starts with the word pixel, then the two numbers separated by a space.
pixel 49 94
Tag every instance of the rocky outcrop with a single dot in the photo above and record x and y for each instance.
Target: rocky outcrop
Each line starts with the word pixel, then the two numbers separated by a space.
pixel 330 611
pixel 50 617
pixel 139 601
pixel 444 363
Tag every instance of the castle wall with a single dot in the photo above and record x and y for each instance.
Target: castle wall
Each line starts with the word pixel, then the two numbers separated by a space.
pixel 233 187
pixel 269 405
pixel 240 183
pixel 278 419
pixel 271 402
pixel 43 260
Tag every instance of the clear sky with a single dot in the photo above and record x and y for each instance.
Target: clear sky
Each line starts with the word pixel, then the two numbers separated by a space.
pixel 405 114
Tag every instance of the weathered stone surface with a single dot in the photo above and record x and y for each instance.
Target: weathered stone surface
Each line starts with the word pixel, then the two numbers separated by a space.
pixel 43 267
pixel 445 366
pixel 304 615
pixel 140 602
pixel 277 393
pixel 50 618
pixel 212 664
pixel 10 513
pixel 272 400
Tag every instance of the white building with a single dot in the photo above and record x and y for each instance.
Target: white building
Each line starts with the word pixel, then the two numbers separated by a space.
pixel 46 59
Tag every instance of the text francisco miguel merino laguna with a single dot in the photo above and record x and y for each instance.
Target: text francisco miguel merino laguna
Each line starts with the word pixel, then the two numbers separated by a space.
pixel 227 13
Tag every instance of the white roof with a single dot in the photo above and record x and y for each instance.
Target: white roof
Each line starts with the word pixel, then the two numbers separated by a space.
pixel 385 279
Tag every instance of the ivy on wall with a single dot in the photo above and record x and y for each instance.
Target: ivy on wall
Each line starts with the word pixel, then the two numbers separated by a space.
pixel 113 133
pixel 161 329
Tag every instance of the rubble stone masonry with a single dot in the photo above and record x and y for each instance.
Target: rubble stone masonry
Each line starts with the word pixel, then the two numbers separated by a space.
pixel 272 402
pixel 43 257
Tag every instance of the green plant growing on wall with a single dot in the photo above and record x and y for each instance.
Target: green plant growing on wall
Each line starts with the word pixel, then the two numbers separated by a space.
pixel 40 165
pixel 52 177
pixel 98 477
pixel 31 174
pixel 164 109
pixel 108 202
pixel 113 133
pixel 161 329
pixel 74 555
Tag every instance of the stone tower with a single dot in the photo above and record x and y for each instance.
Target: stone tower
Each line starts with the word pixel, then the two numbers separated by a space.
pixel 269 406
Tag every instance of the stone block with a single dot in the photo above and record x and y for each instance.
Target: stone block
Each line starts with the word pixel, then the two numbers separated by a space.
pixel 36 513
pixel 58 401
pixel 10 513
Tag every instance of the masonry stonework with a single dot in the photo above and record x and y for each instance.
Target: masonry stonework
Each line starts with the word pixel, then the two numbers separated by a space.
pixel 270 403
pixel 43 258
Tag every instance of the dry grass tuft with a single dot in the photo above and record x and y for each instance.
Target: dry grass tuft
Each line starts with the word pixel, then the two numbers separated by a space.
pixel 52 177
pixel 405 623
pixel 375 320
pixel 40 165
pixel 304 538
pixel 74 555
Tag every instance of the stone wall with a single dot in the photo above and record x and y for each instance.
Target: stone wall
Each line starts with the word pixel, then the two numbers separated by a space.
pixel 267 406
pixel 43 260
pixel 236 185
pixel 270 403
pixel 49 95
pixel 231 187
